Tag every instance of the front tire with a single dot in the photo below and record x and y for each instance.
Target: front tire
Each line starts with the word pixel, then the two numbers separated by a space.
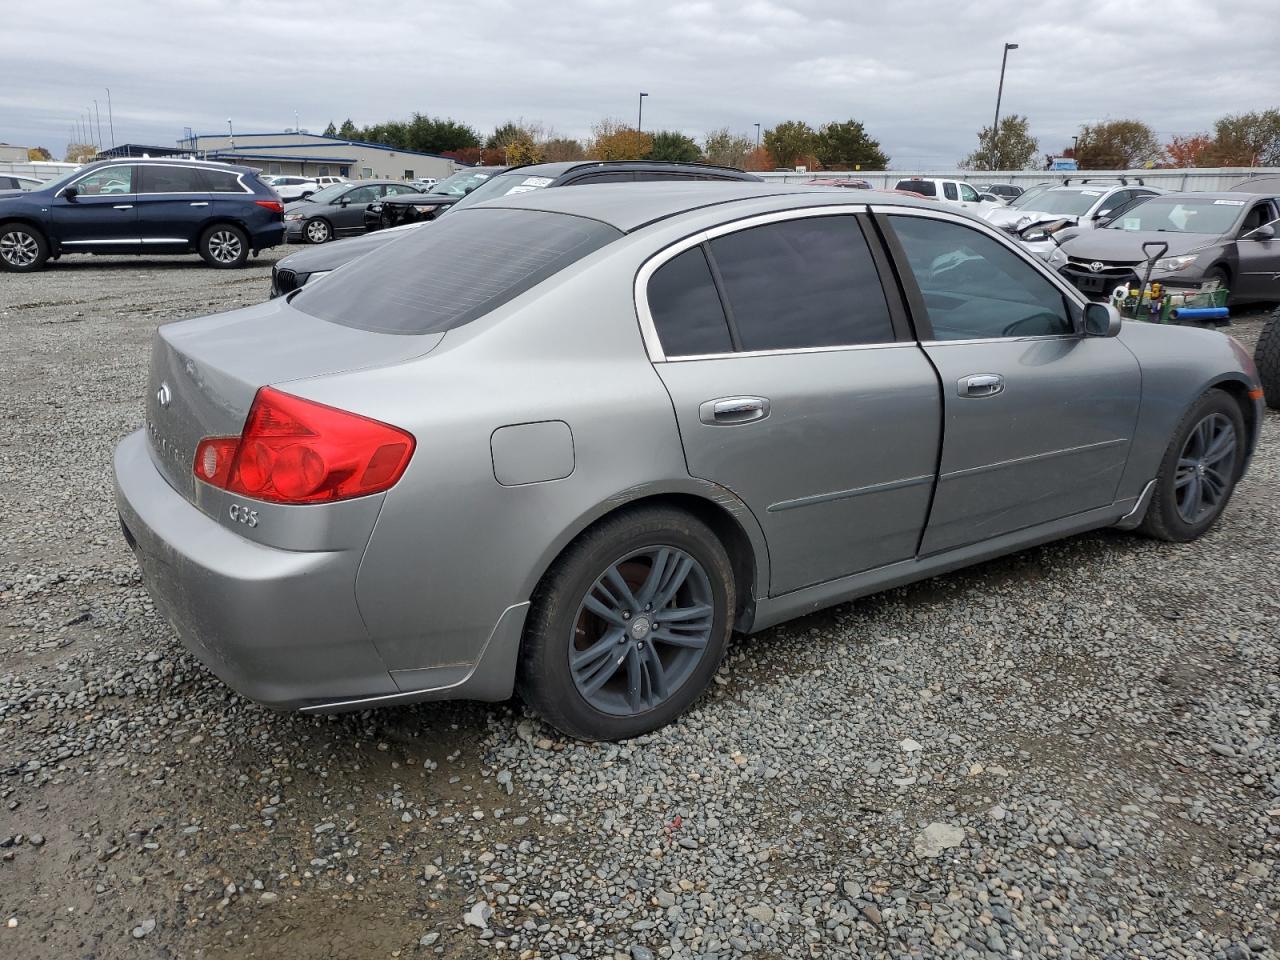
pixel 23 248
pixel 629 626
pixel 317 230
pixel 224 246
pixel 1267 357
pixel 1199 471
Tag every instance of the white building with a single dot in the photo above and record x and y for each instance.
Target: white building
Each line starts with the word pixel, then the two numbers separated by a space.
pixel 311 155
pixel 11 154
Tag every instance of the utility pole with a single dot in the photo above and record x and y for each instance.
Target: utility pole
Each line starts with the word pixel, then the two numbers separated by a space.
pixel 995 125
pixel 232 134
pixel 97 119
pixel 111 123
pixel 640 115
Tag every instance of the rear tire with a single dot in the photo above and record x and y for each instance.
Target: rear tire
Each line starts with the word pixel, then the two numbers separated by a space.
pixel 1267 357
pixel 641 661
pixel 23 248
pixel 1199 471
pixel 224 246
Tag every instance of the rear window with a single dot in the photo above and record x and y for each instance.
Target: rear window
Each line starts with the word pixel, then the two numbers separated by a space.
pixel 925 187
pixel 457 269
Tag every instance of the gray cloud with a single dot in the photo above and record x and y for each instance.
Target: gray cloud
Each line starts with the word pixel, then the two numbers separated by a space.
pixel 921 75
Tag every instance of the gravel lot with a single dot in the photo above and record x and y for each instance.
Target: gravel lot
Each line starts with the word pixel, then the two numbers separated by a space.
pixel 1069 753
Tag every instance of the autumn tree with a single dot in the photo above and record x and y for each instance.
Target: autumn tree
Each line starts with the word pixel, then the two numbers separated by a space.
pixel 562 148
pixel 674 147
pixel 507 133
pixel 789 141
pixel 758 160
pixel 1117 145
pixel 38 153
pixel 1014 147
pixel 847 146
pixel 1195 150
pixel 467 155
pixel 614 140
pixel 725 148
pixel 1248 139
pixel 80 152
pixel 522 150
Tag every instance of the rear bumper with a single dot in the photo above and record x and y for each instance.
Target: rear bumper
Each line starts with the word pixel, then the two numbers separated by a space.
pixel 272 235
pixel 282 627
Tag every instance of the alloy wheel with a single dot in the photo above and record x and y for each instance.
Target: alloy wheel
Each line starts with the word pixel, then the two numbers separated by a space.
pixel 19 248
pixel 225 246
pixel 1205 465
pixel 641 630
pixel 317 231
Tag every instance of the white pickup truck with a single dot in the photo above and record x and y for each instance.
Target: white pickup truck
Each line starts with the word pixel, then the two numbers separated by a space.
pixel 957 193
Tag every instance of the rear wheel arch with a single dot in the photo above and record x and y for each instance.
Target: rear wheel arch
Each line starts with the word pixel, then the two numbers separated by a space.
pixel 747 556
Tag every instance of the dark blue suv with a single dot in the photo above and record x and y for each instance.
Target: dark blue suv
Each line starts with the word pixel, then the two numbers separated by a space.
pixel 219 211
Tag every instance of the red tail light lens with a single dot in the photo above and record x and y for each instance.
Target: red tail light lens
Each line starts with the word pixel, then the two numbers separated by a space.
pixel 275 206
pixel 296 451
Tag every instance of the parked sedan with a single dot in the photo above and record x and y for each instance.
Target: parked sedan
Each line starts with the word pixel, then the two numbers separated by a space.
pixel 566 442
pixel 1233 238
pixel 11 181
pixel 222 212
pixel 338 209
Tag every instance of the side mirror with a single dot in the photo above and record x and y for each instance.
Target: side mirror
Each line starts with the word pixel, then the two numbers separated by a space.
pixel 70 193
pixel 1102 214
pixel 1265 232
pixel 1101 320
pixel 343 202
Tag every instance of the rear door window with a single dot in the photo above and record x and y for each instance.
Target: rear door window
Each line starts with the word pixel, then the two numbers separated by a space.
pixel 686 309
pixel 808 282
pixel 949 191
pixel 457 270
pixel 157 179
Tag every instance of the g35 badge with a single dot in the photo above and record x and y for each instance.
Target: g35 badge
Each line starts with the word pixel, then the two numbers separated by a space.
pixel 243 515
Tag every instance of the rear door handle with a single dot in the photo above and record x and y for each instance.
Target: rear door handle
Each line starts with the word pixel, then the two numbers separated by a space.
pixel 200 203
pixel 980 385
pixel 123 206
pixel 727 411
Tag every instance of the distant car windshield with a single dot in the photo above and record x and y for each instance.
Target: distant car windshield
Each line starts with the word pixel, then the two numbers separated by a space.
pixel 331 192
pixel 501 186
pixel 1168 215
pixel 460 183
pixel 1022 199
pixel 1068 203
pixel 461 268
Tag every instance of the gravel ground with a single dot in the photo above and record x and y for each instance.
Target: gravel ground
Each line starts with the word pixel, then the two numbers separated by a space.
pixel 1068 753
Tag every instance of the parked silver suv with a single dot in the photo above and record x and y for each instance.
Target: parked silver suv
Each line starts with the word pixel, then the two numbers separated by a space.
pixel 566 441
pixel 1077 203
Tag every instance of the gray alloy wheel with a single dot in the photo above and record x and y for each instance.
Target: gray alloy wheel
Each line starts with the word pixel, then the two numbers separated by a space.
pixel 224 245
pixel 318 230
pixel 22 249
pixel 640 631
pixel 1205 468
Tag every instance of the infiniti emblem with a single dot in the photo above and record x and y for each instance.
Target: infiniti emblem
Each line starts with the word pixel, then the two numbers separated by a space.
pixel 164 395
pixel 1097 266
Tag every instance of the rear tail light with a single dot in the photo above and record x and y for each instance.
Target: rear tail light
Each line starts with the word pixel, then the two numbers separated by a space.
pixel 275 206
pixel 296 451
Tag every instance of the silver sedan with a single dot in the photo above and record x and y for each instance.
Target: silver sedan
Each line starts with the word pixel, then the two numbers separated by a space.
pixel 565 443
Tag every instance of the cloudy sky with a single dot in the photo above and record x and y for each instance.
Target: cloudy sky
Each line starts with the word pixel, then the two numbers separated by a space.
pixel 921 75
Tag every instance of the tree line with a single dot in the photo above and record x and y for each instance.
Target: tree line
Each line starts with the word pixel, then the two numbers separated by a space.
pixel 1237 140
pixel 839 145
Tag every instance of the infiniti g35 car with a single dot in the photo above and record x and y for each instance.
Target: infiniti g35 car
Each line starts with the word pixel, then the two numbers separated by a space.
pixel 567 441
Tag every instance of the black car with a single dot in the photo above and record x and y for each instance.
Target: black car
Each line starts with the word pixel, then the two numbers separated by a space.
pixel 338 209
pixel 406 208
pixel 294 270
pixel 1004 191
pixel 219 211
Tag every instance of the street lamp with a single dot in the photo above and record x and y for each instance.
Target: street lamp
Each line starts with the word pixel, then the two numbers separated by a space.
pixel 995 126
pixel 640 115
pixel 232 134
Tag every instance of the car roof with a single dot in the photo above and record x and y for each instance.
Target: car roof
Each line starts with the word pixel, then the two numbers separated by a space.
pixel 630 206
pixel 561 167
pixel 168 161
pixel 1244 195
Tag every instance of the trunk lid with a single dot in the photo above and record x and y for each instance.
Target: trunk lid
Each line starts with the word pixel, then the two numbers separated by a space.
pixel 204 372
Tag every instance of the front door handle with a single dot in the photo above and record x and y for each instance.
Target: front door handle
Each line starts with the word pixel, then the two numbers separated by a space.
pixel 200 203
pixel 980 385
pixel 123 206
pixel 727 411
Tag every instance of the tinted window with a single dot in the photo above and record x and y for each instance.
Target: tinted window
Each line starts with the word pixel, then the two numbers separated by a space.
pixel 107 182
pixel 686 308
pixel 170 180
pixel 362 194
pixel 974 287
pixel 949 191
pixel 222 181
pixel 924 187
pixel 432 280
pixel 802 283
pixel 8 183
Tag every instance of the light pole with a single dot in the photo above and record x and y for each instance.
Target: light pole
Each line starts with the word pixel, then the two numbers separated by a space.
pixel 232 134
pixel 995 126
pixel 111 123
pixel 757 136
pixel 640 114
pixel 97 119
pixel 1075 140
